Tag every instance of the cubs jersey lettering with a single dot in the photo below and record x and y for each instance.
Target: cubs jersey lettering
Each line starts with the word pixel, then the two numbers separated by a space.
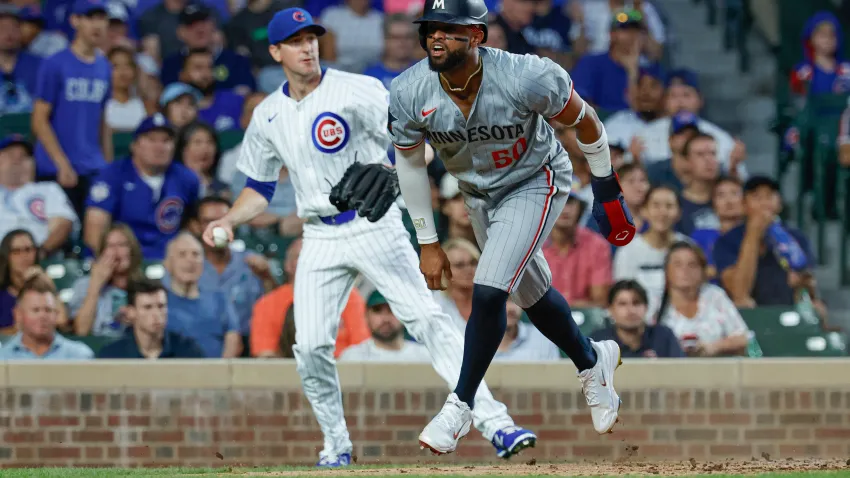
pixel 154 216
pixel 31 206
pixel 342 121
pixel 506 138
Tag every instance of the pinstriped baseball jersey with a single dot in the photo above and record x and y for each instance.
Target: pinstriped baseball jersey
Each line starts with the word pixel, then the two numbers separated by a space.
pixel 506 139
pixel 342 121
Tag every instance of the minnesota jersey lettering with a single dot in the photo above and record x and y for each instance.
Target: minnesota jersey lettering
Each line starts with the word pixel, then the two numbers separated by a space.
pixel 506 126
pixel 476 134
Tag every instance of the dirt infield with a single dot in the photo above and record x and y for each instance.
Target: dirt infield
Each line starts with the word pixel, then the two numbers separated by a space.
pixel 622 468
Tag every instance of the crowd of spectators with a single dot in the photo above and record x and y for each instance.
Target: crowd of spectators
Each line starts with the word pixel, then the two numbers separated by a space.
pixel 178 74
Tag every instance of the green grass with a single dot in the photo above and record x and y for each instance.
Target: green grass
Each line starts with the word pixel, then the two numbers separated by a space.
pixel 233 472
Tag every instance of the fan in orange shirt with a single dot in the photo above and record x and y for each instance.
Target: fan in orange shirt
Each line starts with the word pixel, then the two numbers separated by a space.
pixel 274 309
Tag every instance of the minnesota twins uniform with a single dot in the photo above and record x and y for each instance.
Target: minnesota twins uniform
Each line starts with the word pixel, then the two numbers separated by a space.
pixel 514 175
pixel 317 138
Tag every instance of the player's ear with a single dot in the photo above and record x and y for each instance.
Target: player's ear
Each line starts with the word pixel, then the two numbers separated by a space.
pixel 274 51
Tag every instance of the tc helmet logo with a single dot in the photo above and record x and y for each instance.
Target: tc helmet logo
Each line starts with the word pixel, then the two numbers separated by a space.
pixel 441 4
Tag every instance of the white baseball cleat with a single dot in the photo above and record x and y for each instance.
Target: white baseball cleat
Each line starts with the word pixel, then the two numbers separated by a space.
pixel 597 383
pixel 450 425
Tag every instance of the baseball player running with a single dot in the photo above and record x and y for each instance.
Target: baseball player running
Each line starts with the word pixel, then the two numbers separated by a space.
pixel 329 129
pixel 485 111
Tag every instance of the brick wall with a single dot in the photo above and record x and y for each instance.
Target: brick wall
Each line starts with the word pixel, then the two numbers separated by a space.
pixel 120 416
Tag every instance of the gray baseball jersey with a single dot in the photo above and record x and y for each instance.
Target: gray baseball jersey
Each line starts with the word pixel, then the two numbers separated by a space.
pixel 506 139
pixel 513 172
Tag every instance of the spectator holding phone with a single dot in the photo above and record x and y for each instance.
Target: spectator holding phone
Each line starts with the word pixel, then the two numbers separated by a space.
pixel 99 300
pixel 763 261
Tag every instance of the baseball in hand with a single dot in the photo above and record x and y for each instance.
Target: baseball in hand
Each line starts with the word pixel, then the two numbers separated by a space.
pixel 220 238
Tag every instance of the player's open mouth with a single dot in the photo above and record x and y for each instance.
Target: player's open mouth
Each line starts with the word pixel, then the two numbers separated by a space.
pixel 438 50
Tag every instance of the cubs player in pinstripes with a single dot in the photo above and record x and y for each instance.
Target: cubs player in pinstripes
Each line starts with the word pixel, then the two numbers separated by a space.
pixel 320 124
pixel 484 111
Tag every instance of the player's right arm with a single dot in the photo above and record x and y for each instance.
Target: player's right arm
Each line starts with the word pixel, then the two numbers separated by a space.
pixel 258 161
pixel 408 137
pixel 547 89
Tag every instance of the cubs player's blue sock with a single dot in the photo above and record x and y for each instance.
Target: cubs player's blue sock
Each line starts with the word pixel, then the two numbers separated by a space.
pixel 484 332
pixel 554 319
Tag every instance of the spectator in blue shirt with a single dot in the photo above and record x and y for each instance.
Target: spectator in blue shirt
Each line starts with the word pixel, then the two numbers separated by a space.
pixel 727 201
pixel 207 316
pixel 99 298
pixel 17 67
pixel 243 276
pixel 399 42
pixel 148 338
pixel 36 313
pixel 514 16
pixel 218 107
pixel 549 32
pixel 35 39
pixel 627 306
pixel 68 120
pixel 752 259
pixel 700 152
pixel 197 32
pixel 605 79
pixel 675 172
pixel 150 192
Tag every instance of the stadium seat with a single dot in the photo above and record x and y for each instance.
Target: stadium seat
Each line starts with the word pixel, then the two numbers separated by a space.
pixel 15 124
pixel 229 139
pixel 783 320
pixel 829 344
pixel 64 273
pixel 590 320
pixel 153 269
pixel 121 145
pixel 94 342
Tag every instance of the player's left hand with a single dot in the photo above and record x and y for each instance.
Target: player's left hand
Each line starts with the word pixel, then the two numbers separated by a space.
pixel 610 210
pixel 258 265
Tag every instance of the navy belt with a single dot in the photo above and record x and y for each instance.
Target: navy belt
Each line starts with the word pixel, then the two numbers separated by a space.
pixel 340 218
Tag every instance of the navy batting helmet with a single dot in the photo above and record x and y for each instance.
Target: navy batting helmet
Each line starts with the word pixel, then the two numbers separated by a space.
pixel 457 12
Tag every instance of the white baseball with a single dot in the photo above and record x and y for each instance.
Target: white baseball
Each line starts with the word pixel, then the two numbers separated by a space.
pixel 220 238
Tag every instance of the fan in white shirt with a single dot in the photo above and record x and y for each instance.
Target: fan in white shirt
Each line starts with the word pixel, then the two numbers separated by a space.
pixel 683 95
pixel 41 208
pixel 643 258
pixel 387 343
pixel 701 315
pixel 124 111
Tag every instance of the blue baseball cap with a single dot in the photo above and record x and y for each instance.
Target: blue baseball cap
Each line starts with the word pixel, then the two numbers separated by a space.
pixel 176 90
pixel 684 77
pixel 682 121
pixel 31 14
pixel 155 122
pixel 7 10
pixel 286 23
pixel 15 139
pixel 652 72
pixel 87 7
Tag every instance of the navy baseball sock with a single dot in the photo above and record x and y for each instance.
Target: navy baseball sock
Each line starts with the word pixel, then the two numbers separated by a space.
pixel 554 319
pixel 484 332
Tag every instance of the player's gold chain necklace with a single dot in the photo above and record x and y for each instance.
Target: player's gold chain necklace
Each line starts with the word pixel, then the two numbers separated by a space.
pixel 465 85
